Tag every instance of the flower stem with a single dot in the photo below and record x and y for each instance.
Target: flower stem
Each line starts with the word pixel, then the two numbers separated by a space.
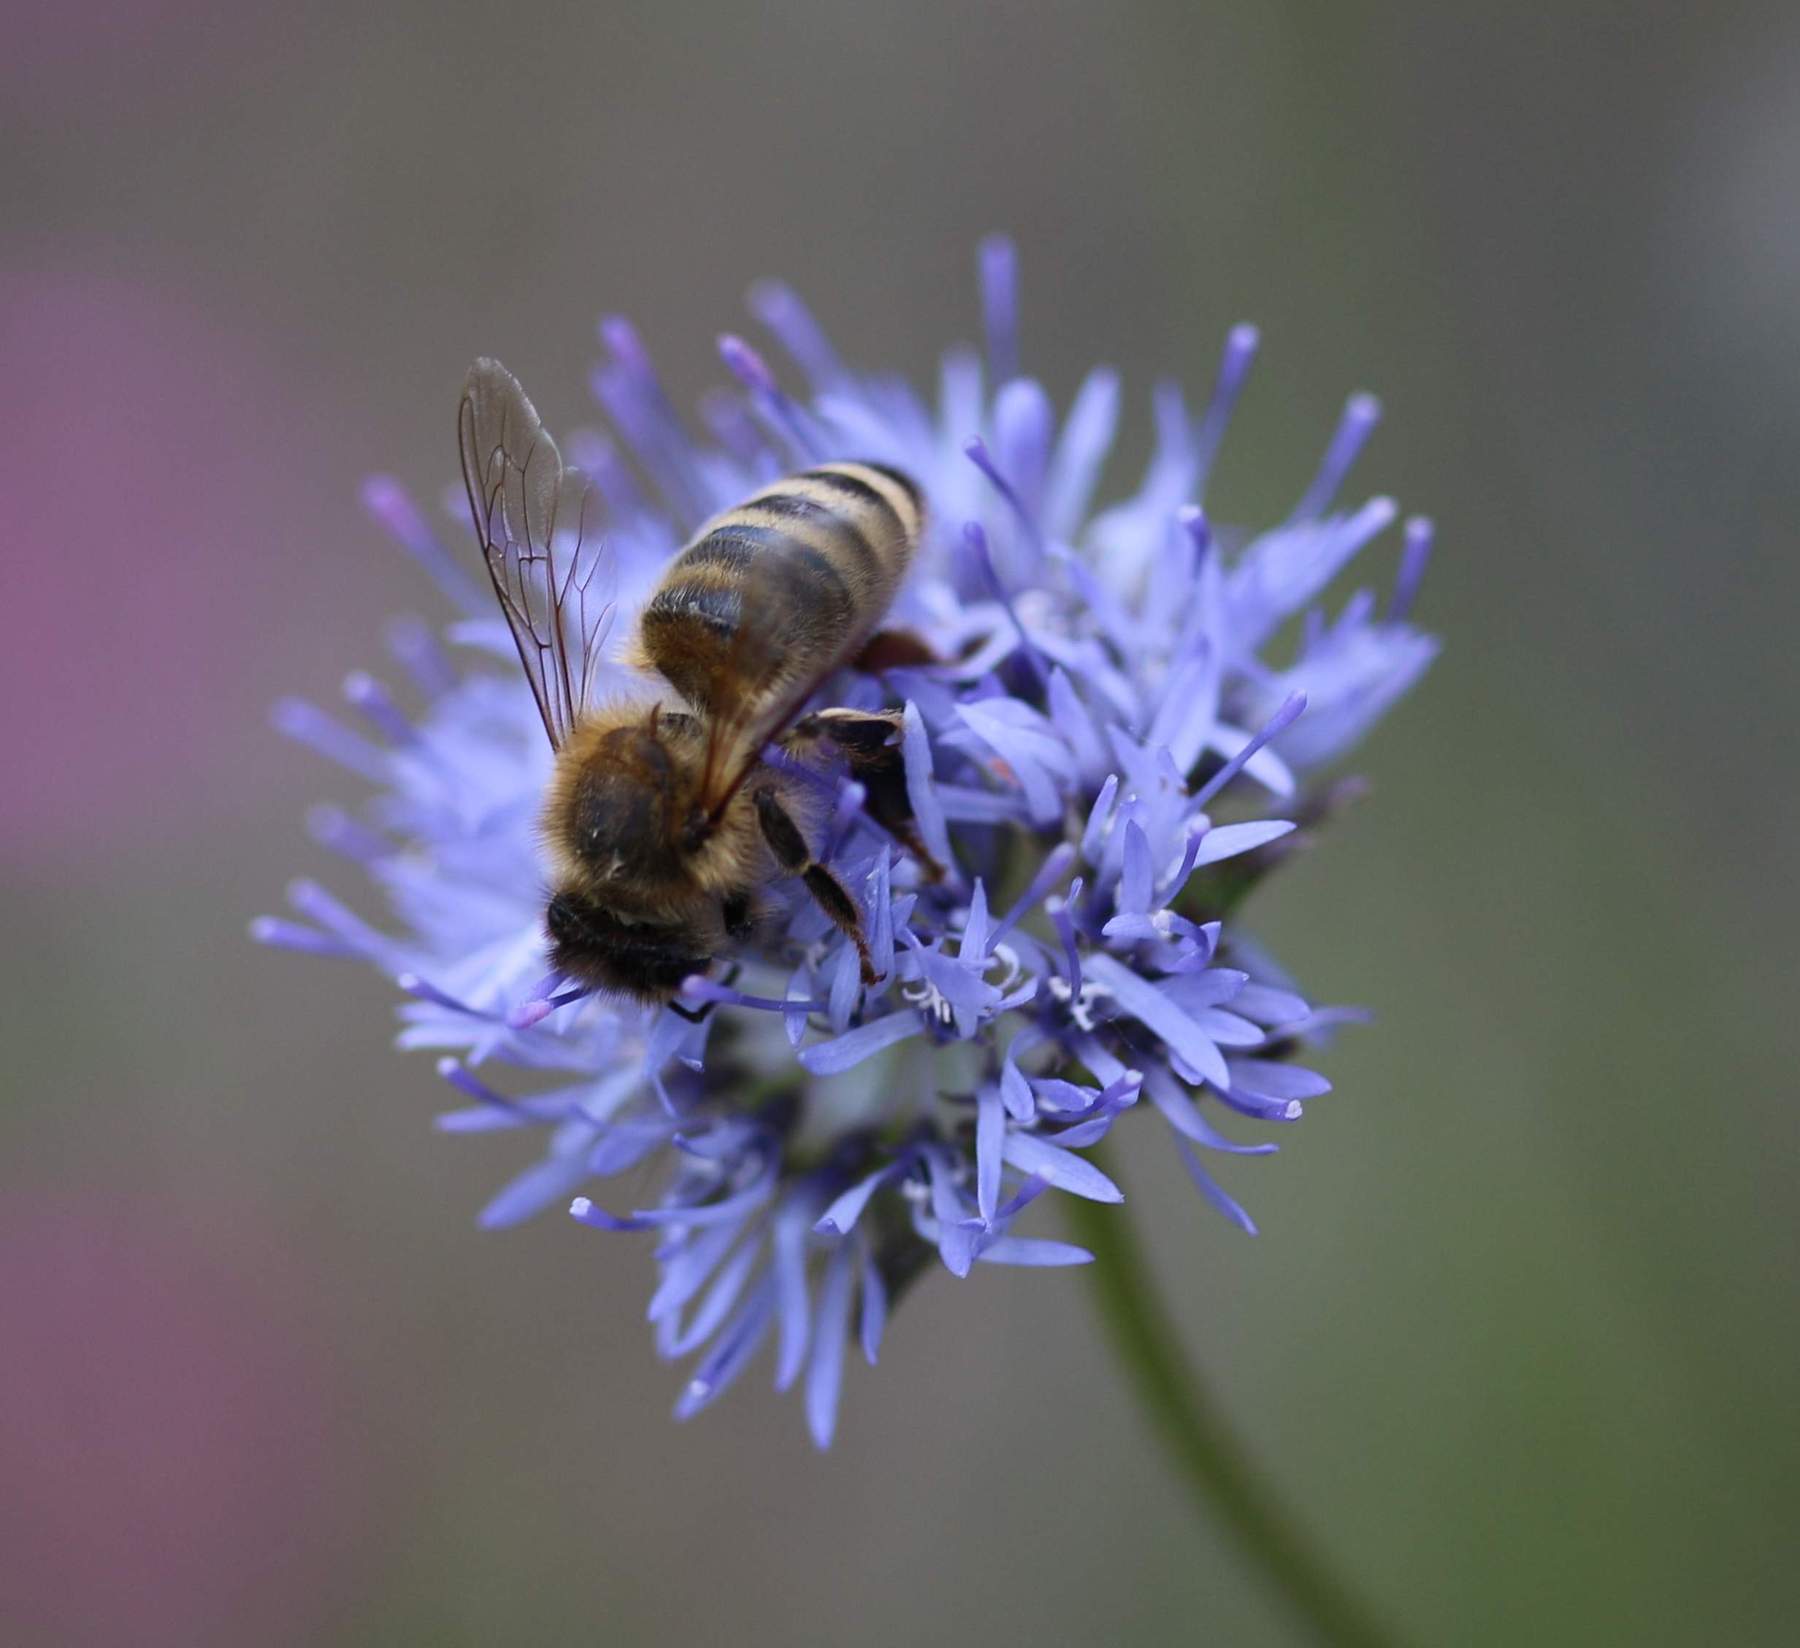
pixel 1213 1463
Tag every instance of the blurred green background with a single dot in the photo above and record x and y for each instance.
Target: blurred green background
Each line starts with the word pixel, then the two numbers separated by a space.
pixel 1518 1340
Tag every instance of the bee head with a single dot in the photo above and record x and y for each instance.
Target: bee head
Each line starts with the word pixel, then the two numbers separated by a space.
pixel 592 943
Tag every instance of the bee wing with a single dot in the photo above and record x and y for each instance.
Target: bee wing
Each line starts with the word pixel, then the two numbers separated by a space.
pixel 771 592
pixel 537 520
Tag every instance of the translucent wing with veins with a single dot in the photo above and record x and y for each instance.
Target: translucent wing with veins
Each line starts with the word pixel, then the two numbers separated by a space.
pixel 538 522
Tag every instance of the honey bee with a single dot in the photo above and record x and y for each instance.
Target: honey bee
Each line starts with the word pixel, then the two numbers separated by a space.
pixel 664 823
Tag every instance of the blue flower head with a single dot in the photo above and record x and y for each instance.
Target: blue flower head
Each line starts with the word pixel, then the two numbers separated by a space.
pixel 1123 734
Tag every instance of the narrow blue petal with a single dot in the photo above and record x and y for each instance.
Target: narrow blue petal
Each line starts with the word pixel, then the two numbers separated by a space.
pixel 1228 840
pixel 1151 1008
pixel 840 1218
pixel 1071 718
pixel 825 1373
pixel 1015 1091
pixel 990 1134
pixel 1023 420
pixel 544 1182
pixel 1185 1116
pixel 1000 306
pixel 1211 1190
pixel 728 1358
pixel 1414 557
pixel 1061 1168
pixel 792 1321
pixel 1208 988
pixel 1133 896
pixel 1270 1006
pixel 584 1210
pixel 974 944
pixel 829 1058
pixel 1229 1029
pixel 685 1272
pixel 921 793
pixel 1034 1251
pixel 1361 414
pixel 739 1205
pixel 874 1306
pixel 780 309
pixel 1268 1079
pixel 1234 367
pixel 1081 450
pixel 1083 1134
pixel 723 1293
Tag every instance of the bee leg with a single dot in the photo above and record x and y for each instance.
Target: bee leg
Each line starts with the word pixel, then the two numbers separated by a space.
pixel 791 853
pixel 870 741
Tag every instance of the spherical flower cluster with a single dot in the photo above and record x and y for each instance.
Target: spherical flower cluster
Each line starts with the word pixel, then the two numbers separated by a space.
pixel 1120 739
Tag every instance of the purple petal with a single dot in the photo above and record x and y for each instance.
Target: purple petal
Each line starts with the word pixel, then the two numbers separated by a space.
pixel 1151 1008
pixel 1093 835
pixel 825 1375
pixel 830 1058
pixel 874 1306
pixel 881 914
pixel 780 309
pixel 1015 1091
pixel 1060 1168
pixel 1246 753
pixel 921 793
pixel 792 1323
pixel 1000 306
pixel 739 1205
pixel 1081 450
pixel 1234 366
pixel 733 1351
pixel 974 944
pixel 544 1182
pixel 1035 1251
pixel 990 1134
pixel 1208 988
pixel 1361 414
pixel 845 973
pixel 393 507
pixel 1269 1006
pixel 684 1272
pixel 584 1210
pixel 840 1218
pixel 1071 718
pixel 1414 557
pixel 1228 840
pixel 627 1142
pixel 1211 1191
pixel 724 1292
pixel 1228 1029
pixel 1184 1115
pixel 1268 1079
pixel 1023 420
pixel 1134 881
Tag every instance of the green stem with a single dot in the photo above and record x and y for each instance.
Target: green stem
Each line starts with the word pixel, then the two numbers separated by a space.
pixel 1217 1471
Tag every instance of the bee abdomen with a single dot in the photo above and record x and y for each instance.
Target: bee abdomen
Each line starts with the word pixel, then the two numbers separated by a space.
pixel 822 555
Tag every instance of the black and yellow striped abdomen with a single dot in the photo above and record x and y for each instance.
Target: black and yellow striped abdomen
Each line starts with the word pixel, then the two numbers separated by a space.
pixel 785 587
